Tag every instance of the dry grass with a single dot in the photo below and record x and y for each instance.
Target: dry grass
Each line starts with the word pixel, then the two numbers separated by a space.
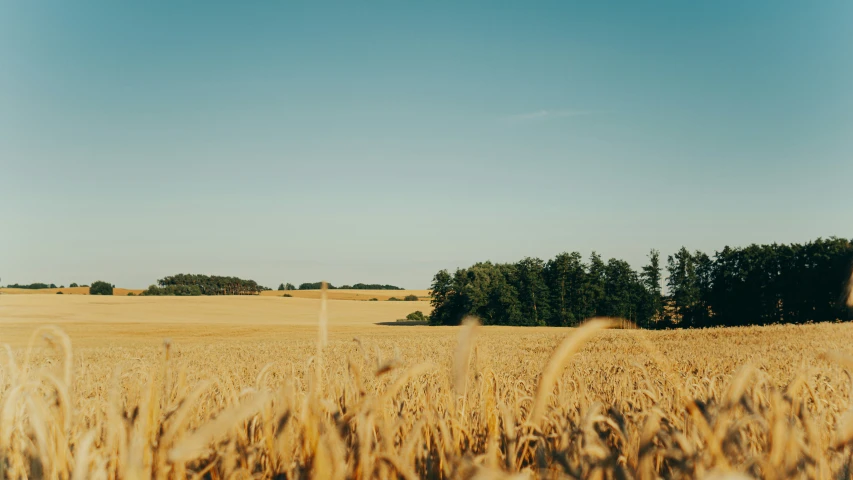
pixel 414 402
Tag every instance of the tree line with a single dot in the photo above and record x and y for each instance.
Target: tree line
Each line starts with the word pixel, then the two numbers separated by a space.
pixel 32 286
pixel 97 288
pixel 192 285
pixel 40 286
pixel 754 285
pixel 184 284
pixel 357 286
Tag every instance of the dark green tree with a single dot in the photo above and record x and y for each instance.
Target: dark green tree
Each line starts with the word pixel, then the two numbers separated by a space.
pixel 565 277
pixel 682 284
pixel 651 278
pixel 503 306
pixel 532 291
pixel 704 269
pixel 620 282
pixel 594 287
pixel 442 294
pixel 101 288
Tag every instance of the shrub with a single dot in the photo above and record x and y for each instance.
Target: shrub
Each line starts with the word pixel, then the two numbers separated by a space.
pixel 59 293
pixel 101 288
pixel 416 317
pixel 411 298
pixel 131 294
pixel 152 291
pixel 373 300
pixel 287 295
pixel 393 299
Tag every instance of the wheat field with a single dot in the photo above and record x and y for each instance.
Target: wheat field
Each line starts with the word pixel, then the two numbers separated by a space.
pixel 265 387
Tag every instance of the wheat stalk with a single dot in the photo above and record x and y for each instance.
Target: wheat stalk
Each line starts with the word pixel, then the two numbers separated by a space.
pixel 571 345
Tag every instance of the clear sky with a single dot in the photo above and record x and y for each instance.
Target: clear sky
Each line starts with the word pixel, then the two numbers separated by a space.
pixel 293 142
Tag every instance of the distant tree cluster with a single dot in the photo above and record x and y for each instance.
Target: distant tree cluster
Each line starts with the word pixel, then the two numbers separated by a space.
pixel 370 286
pixel 286 286
pixel 759 284
pixel 357 286
pixel 31 286
pixel 38 286
pixel 190 285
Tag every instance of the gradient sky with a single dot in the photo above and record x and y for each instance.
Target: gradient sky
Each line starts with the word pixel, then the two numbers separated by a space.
pixel 293 142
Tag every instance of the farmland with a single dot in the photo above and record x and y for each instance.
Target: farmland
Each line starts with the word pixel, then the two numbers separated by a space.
pixel 245 388
pixel 113 320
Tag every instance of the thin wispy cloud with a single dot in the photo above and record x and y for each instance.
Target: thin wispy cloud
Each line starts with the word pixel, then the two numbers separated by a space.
pixel 546 115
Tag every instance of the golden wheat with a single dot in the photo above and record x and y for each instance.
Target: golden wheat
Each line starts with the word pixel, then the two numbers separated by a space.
pixel 434 402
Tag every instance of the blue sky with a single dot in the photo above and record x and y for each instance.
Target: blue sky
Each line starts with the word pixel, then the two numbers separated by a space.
pixel 382 142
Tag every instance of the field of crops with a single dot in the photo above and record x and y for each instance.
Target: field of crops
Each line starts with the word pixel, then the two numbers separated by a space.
pixel 257 387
